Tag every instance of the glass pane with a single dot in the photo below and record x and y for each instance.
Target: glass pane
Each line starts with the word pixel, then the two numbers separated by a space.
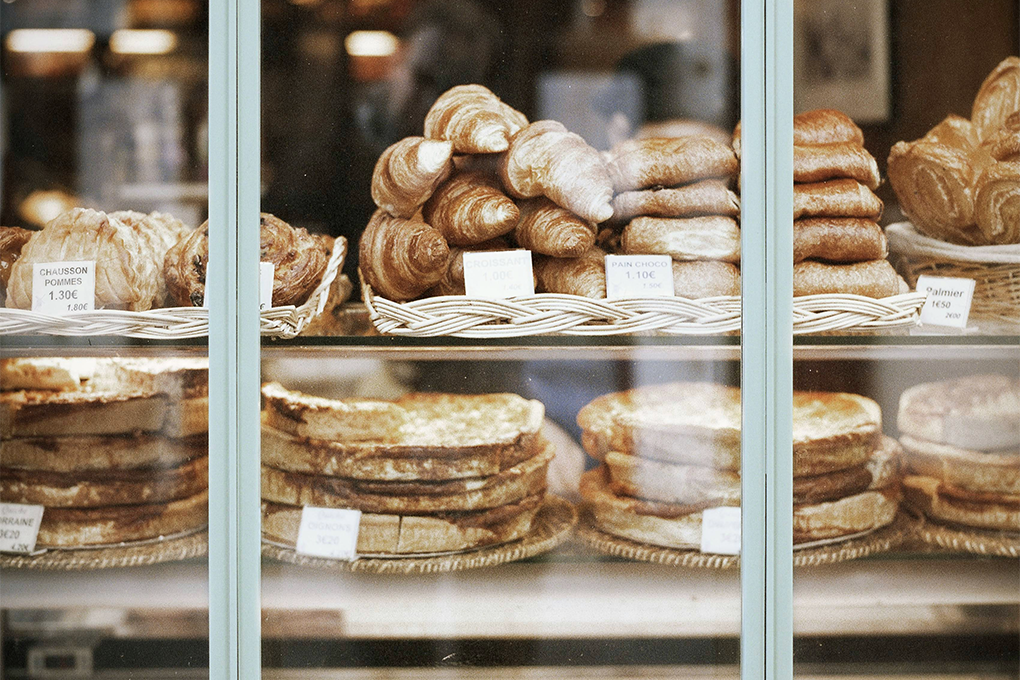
pixel 469 562
pixel 907 527
pixel 104 139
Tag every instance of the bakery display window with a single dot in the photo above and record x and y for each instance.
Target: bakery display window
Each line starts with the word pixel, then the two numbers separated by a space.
pixel 104 401
pixel 923 581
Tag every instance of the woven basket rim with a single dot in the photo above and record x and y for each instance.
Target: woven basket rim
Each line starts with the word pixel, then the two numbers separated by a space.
pixel 905 239
pixel 172 323
pixel 143 553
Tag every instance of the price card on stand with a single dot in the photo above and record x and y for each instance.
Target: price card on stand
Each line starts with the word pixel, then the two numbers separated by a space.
pixel 639 276
pixel 720 531
pixel 19 527
pixel 498 274
pixel 329 532
pixel 267 270
pixel 948 302
pixel 63 287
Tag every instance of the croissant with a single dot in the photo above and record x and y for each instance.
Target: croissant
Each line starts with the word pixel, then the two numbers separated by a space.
pixel 703 279
pixel 875 279
pixel 835 198
pixel 707 197
pixel 584 276
pixel 819 162
pixel 401 259
pixel 470 208
pixel 691 238
pixel 408 172
pixel 128 256
pixel 934 185
pixel 1004 145
pixel 997 98
pixel 549 229
pixel 545 159
pixel 825 126
pixel 838 239
pixel 452 282
pixel 665 161
pixel 12 240
pixel 997 203
pixel 473 119
pixel 299 260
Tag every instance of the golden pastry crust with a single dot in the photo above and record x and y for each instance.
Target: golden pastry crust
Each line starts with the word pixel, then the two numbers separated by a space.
pixel 548 229
pixel 840 160
pixel 825 126
pixel 683 238
pixel 408 172
pixel 835 198
pixel 838 239
pixel 1004 145
pixel 299 261
pixel 705 278
pixel 998 97
pixel 669 161
pixel 12 240
pixel 473 119
pixel 707 197
pixel 471 208
pixel 584 276
pixel 401 259
pixel 997 202
pixel 874 278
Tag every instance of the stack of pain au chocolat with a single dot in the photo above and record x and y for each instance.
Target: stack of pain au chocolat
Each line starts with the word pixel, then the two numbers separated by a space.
pixel 838 246
pixel 115 450
pixel 430 473
pixel 668 452
pixel 962 446
pixel 483 178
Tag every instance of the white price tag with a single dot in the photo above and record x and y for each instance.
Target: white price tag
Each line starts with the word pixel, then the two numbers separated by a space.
pixel 948 302
pixel 498 274
pixel 720 531
pixel 63 287
pixel 19 527
pixel 267 270
pixel 639 276
pixel 329 532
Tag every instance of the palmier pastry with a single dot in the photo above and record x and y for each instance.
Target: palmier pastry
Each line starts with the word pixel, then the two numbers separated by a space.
pixel 997 202
pixel 299 260
pixel 1004 145
pixel 998 97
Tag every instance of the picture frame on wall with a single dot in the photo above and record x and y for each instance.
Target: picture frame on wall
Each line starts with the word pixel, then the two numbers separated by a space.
pixel 841 58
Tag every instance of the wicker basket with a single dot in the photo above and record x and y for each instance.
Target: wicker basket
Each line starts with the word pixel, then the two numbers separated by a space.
pixel 171 323
pixel 995 270
pixel 544 313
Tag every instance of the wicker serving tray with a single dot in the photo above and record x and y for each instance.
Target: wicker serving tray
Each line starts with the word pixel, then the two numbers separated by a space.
pixel 545 313
pixel 171 323
pixel 134 554
pixel 553 523
pixel 995 269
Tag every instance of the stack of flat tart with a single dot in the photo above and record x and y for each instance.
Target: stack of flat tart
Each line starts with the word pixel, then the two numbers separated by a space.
pixel 962 443
pixel 115 450
pixel 671 451
pixel 430 473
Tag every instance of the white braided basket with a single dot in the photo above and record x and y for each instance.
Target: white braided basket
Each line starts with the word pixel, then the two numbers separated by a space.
pixel 543 313
pixel 171 323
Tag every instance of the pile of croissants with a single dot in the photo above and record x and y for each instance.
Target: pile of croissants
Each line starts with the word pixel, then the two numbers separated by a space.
pixel 151 261
pixel 483 178
pixel 960 183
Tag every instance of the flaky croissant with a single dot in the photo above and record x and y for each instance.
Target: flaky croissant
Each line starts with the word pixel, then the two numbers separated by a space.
pixel 470 208
pixel 934 184
pixel 997 98
pixel 691 238
pixel 954 131
pixel 584 276
pixel 548 229
pixel 819 162
pixel 401 259
pixel 474 119
pixel 835 198
pixel 708 197
pixel 545 159
pixel 997 203
pixel 669 161
pixel 408 172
